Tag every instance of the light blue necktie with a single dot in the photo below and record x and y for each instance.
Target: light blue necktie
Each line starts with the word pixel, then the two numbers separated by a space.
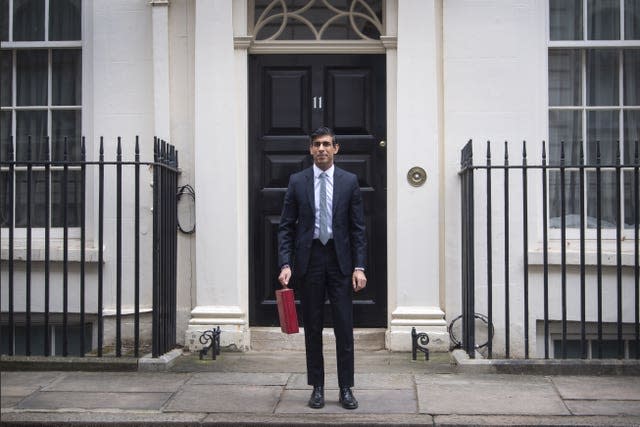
pixel 324 211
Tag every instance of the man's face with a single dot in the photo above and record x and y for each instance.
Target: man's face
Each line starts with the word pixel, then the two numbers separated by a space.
pixel 322 150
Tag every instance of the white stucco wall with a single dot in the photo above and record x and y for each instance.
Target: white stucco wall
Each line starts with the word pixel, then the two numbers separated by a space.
pixel 494 89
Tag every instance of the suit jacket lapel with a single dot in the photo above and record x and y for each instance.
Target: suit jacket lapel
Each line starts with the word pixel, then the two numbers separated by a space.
pixel 309 188
pixel 337 178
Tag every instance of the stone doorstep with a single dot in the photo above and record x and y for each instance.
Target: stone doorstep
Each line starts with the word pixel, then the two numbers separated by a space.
pixel 272 339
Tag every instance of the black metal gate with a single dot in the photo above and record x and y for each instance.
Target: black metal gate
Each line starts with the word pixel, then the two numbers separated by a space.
pixel 537 177
pixel 163 284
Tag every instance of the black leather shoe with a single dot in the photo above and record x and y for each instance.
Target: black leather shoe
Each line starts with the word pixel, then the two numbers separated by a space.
pixel 346 399
pixel 316 401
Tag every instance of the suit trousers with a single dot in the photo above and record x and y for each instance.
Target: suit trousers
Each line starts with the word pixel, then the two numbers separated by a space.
pixel 323 278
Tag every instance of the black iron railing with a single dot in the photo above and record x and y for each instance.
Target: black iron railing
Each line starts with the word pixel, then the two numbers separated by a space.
pixel 163 283
pixel 476 222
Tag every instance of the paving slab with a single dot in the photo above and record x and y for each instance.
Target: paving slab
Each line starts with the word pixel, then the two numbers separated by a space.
pixel 100 418
pixel 9 401
pixel 603 407
pixel 225 398
pixel 363 381
pixel 82 400
pixel 25 383
pixel 237 378
pixel 613 388
pixel 320 418
pixel 118 382
pixel 370 401
pixel 488 394
pixel 532 420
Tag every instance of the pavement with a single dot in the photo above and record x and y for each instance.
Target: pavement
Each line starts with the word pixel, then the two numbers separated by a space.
pixel 269 388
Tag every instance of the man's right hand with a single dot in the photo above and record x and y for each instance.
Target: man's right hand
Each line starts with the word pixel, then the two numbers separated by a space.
pixel 285 275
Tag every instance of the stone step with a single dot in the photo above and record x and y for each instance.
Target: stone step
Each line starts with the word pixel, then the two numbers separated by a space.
pixel 268 339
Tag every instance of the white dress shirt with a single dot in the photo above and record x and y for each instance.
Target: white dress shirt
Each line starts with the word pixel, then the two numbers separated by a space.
pixel 316 189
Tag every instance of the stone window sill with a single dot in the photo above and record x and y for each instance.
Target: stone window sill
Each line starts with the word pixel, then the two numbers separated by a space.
pixel 56 250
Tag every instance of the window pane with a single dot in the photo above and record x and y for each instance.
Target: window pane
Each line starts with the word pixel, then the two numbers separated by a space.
pixel 565 77
pixel 5 142
pixel 28 20
pixel 565 19
pixel 37 200
pixel 5 135
pixel 64 20
pixel 6 64
pixel 632 19
pixel 631 135
pixel 66 75
pixel 31 76
pixel 317 15
pixel 631 77
pixel 34 124
pixel 74 200
pixel 602 77
pixel 4 194
pixel 603 19
pixel 573 349
pixel 609 349
pixel 4 20
pixel 66 123
pixel 602 126
pixel 564 126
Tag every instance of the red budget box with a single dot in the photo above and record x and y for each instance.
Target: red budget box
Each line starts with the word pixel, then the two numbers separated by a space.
pixel 287 311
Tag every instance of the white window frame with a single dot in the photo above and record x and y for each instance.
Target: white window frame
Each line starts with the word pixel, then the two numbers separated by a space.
pixel 583 45
pixel 56 233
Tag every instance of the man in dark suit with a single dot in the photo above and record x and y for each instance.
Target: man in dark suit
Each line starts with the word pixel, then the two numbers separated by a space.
pixel 322 243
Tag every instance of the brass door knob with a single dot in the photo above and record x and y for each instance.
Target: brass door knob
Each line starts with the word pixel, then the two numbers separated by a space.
pixel 383 144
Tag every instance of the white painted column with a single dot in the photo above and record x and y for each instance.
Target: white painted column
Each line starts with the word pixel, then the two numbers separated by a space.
pixel 161 97
pixel 414 212
pixel 218 185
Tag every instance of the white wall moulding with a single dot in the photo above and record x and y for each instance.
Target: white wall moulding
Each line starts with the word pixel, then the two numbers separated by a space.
pixel 217 315
pixel 161 86
pixel 309 46
pixel 424 319
pixel 232 322
pixel 415 316
pixel 389 42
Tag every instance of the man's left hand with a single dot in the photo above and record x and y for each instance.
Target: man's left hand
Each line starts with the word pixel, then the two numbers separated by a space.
pixel 358 280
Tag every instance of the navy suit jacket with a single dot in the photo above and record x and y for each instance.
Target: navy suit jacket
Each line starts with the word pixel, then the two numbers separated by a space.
pixel 297 222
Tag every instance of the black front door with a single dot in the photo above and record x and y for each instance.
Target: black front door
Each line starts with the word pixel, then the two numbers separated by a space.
pixel 289 97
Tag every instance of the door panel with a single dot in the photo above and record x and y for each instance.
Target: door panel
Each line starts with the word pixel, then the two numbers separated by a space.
pixel 290 96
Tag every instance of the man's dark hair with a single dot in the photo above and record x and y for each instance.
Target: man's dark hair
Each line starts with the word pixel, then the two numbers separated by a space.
pixel 322 131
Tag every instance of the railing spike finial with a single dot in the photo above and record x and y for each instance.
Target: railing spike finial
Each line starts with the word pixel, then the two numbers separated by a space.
pixel 83 149
pixel 506 150
pixel 11 159
pixel 598 151
pixel 617 152
pixel 524 149
pixel 137 149
pixel 581 153
pixel 101 148
pixel 488 149
pixel 65 151
pixel 119 148
pixel 544 151
pixel 29 148
pixel 635 154
pixel 562 152
pixel 46 149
